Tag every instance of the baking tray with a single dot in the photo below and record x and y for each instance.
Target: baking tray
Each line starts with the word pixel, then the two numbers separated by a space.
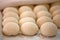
pixel 23 37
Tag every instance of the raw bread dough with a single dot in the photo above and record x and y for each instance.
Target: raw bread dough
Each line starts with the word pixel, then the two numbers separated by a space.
pixel 11 28
pixel 10 9
pixel 29 28
pixel 26 19
pixel 57 12
pixel 24 8
pixel 9 19
pixel 40 8
pixel 54 8
pixel 11 14
pixel 27 14
pixel 48 29
pixel 43 13
pixel 43 19
pixel 56 20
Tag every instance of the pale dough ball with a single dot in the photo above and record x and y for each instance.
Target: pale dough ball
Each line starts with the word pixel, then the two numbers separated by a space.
pixel 11 29
pixel 11 14
pixel 10 9
pixel 53 8
pixel 29 28
pixel 27 14
pixel 40 8
pixel 24 8
pixel 56 20
pixel 26 19
pixel 43 19
pixel 57 12
pixel 9 19
pixel 48 29
pixel 43 13
pixel 55 3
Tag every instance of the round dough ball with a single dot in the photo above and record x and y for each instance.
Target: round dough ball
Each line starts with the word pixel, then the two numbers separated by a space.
pixel 29 28
pixel 11 28
pixel 43 19
pixel 48 29
pixel 28 14
pixel 26 19
pixel 10 9
pixel 53 8
pixel 56 20
pixel 11 14
pixel 43 13
pixel 24 8
pixel 57 12
pixel 40 8
pixel 9 19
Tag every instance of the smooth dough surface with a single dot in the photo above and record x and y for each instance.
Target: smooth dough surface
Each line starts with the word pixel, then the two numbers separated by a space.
pixel 10 9
pixel 9 19
pixel 54 8
pixel 28 14
pixel 48 29
pixel 43 19
pixel 39 8
pixel 29 28
pixel 11 29
pixel 24 8
pixel 57 12
pixel 43 13
pixel 26 19
pixel 11 14
pixel 56 20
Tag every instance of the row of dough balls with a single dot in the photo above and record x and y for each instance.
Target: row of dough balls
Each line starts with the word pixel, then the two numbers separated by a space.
pixel 55 10
pixel 45 23
pixel 27 21
pixel 10 21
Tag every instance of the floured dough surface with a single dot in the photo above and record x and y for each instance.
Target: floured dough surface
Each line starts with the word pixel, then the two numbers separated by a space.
pixel 29 28
pixel 42 20
pixel 28 14
pixel 48 29
pixel 40 8
pixel 56 20
pixel 43 13
pixel 11 14
pixel 9 19
pixel 26 19
pixel 24 8
pixel 10 9
pixel 11 29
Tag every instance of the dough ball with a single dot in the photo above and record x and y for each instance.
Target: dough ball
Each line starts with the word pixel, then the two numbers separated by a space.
pixel 43 13
pixel 48 29
pixel 43 19
pixel 57 12
pixel 28 14
pixel 11 14
pixel 10 9
pixel 29 28
pixel 56 20
pixel 40 8
pixel 24 8
pixel 9 19
pixel 53 8
pixel 11 29
pixel 26 19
